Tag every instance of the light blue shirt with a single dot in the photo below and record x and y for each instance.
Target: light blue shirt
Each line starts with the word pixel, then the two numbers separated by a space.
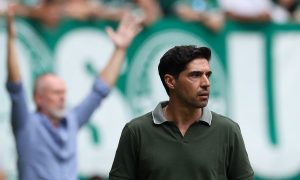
pixel 45 151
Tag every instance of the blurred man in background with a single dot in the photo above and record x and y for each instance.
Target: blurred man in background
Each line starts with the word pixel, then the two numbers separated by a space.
pixel 46 138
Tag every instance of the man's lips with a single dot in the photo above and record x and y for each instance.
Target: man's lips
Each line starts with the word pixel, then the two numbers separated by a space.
pixel 203 94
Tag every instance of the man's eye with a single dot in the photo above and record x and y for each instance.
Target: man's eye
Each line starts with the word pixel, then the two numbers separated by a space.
pixel 208 75
pixel 196 74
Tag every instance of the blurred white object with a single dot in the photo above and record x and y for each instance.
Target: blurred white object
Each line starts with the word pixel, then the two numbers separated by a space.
pixel 3 5
pixel 280 15
pixel 255 8
pixel 246 7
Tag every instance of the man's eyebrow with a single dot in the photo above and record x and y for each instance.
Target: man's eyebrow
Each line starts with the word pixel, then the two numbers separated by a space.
pixel 200 72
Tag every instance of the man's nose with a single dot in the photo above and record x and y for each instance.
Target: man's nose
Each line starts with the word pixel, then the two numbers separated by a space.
pixel 205 81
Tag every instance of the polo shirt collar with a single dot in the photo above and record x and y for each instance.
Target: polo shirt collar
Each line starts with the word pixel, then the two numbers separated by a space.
pixel 159 118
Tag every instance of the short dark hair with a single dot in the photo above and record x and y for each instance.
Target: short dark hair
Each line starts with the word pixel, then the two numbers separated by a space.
pixel 174 61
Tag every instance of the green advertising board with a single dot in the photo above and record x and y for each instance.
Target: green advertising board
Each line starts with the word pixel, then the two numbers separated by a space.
pixel 255 82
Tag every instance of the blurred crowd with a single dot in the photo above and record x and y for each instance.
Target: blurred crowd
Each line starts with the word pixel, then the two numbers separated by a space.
pixel 210 13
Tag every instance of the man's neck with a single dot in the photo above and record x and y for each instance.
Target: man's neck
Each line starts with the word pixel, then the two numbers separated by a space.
pixel 53 120
pixel 183 117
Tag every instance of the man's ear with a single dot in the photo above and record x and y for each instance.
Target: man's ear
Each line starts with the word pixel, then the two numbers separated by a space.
pixel 37 99
pixel 170 81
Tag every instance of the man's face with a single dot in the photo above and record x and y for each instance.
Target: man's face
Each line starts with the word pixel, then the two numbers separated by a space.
pixel 193 86
pixel 51 96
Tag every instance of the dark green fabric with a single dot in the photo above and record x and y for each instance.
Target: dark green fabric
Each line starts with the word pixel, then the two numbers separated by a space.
pixel 148 151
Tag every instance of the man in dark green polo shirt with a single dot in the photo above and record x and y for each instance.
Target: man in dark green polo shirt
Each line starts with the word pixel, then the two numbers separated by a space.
pixel 182 139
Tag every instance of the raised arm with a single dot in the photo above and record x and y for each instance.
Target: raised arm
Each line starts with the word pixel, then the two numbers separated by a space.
pixel 128 28
pixel 12 63
pixel 20 113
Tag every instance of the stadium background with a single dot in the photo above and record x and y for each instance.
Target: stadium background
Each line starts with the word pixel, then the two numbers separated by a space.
pixel 255 82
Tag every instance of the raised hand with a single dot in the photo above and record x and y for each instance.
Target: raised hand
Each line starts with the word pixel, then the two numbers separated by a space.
pixel 128 28
pixel 11 30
